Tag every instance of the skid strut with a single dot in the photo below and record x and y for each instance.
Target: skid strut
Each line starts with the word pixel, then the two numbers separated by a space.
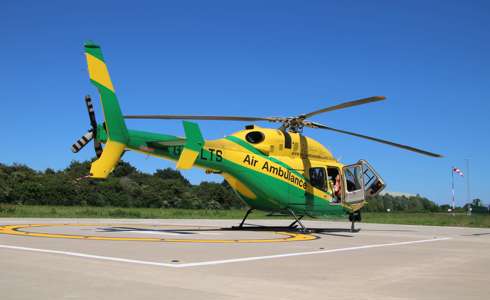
pixel 244 218
pixel 297 220
pixel 293 225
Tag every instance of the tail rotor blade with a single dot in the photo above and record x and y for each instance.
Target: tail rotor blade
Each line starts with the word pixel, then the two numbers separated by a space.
pixel 93 122
pixel 82 141
pixel 91 113
pixel 98 148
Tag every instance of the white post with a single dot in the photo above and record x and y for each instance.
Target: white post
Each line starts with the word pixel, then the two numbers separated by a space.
pixel 452 187
pixel 468 195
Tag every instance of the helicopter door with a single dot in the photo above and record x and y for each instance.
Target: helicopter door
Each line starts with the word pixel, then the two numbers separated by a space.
pixel 353 184
pixel 373 183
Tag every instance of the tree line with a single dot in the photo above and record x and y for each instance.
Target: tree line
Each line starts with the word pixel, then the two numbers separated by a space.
pixel 129 187
pixel 387 202
pixel 126 187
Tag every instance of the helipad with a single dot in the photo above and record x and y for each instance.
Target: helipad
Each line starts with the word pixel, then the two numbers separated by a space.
pixel 126 232
pixel 203 259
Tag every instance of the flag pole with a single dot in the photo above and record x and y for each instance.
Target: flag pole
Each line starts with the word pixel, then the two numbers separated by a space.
pixel 452 187
pixel 468 194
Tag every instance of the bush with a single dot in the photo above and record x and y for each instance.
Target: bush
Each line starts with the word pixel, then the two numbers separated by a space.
pixel 128 187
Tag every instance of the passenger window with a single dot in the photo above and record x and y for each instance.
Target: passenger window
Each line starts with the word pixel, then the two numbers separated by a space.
pixel 373 184
pixel 353 178
pixel 318 178
pixel 353 184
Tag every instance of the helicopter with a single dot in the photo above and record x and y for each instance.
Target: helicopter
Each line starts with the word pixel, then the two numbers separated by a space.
pixel 276 170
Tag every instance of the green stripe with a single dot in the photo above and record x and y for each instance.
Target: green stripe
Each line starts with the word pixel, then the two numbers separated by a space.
pixel 93 49
pixel 245 145
pixel 112 113
pixel 261 154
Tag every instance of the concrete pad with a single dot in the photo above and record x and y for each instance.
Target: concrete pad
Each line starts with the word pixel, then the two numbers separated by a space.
pixel 379 262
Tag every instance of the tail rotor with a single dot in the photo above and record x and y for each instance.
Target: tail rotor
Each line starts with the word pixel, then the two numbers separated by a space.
pixel 91 133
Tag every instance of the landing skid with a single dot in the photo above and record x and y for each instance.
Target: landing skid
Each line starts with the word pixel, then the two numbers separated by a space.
pixel 292 226
pixel 353 217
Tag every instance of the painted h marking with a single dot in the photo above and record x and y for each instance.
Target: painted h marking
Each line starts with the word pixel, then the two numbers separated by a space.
pixel 219 262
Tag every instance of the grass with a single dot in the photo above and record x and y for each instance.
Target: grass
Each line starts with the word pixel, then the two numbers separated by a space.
pixel 436 219
pixel 34 211
pixel 28 211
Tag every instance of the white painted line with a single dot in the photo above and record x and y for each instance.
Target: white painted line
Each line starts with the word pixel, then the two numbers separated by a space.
pixel 206 233
pixel 218 262
pixel 154 232
pixel 227 261
pixel 77 254
pixel 169 233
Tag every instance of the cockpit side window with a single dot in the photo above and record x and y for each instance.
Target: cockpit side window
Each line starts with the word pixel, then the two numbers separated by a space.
pixel 318 178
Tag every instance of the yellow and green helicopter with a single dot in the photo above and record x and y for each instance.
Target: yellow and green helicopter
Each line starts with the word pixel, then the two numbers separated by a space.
pixel 277 170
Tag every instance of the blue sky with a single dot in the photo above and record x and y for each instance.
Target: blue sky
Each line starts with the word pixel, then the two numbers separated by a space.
pixel 431 59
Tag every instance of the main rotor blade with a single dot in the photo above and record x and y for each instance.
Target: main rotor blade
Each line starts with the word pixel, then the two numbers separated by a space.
pixel 344 105
pixel 409 148
pixel 191 117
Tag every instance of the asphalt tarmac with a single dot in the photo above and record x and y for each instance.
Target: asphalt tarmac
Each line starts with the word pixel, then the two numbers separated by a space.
pixel 204 259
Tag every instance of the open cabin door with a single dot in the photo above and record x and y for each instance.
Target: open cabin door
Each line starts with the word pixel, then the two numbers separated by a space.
pixel 353 184
pixel 373 183
pixel 360 181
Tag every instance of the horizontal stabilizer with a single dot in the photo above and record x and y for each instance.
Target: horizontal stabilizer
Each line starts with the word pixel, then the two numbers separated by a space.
pixel 167 143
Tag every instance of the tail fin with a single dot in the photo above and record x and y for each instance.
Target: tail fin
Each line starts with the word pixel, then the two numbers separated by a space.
pixel 117 133
pixel 194 143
